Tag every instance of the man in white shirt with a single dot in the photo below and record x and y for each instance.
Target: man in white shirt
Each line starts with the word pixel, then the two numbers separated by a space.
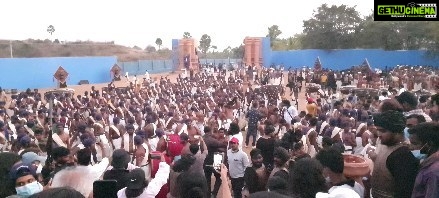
pixel 80 177
pixel 237 161
pixel 290 112
pixel 137 181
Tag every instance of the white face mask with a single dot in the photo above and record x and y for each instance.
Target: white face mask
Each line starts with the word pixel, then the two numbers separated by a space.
pixel 29 189
pixel 39 168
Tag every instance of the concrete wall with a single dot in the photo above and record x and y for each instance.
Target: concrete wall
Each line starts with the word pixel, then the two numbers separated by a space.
pixel 344 59
pixel 23 73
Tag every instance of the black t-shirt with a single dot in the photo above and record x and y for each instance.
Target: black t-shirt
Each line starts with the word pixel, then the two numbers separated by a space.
pixel 267 148
pixel 404 167
pixel 120 175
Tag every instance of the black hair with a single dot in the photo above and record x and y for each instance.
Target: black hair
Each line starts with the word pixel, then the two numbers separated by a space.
pixel 327 141
pixel 306 178
pixel 282 154
pixel 269 129
pixel 207 129
pixel 278 184
pixel 192 185
pixel 419 118
pixel 84 156
pixel 435 99
pixel 132 193
pixel 298 146
pixel 255 152
pixel 427 132
pixel 194 148
pixel 408 98
pixel 332 159
pixel 233 129
pixel 313 121
pixel 423 98
pixel 184 163
pixel 59 152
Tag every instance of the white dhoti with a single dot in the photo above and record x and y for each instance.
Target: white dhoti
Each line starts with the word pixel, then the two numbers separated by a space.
pixel 145 166
pixel 147 170
pixel 105 150
pixel 117 143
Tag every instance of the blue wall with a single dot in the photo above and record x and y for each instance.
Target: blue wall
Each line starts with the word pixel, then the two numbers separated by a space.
pixel 140 67
pixel 266 51
pixel 23 73
pixel 175 53
pixel 344 59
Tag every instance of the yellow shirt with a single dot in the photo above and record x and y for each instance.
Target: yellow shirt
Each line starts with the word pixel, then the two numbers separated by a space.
pixel 323 78
pixel 311 109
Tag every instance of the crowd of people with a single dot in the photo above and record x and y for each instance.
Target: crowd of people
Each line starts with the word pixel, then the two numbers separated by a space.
pixel 227 134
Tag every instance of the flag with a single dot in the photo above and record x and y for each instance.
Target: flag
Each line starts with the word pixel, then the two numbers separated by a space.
pixel 61 74
pixel 365 66
pixel 317 65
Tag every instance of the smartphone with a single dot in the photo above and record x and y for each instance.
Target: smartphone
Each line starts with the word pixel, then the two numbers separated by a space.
pixel 105 189
pixel 217 160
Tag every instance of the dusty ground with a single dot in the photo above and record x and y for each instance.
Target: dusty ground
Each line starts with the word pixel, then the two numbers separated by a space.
pixel 80 89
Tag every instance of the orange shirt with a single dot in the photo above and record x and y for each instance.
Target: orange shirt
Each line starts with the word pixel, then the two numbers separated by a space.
pixel 311 108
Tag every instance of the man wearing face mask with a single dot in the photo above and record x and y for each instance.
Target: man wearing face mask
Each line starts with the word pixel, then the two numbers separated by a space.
pixel 24 178
pixel 426 137
pixel 34 159
pixel 413 120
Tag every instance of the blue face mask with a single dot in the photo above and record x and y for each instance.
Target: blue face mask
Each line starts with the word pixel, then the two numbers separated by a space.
pixel 418 155
pixel 29 189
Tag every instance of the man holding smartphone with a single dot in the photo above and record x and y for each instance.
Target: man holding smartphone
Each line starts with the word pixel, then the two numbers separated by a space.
pixel 237 161
pixel 214 145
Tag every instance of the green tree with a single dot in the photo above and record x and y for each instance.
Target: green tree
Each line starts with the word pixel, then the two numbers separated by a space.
pixel 273 33
pixel 432 35
pixel 187 35
pixel 392 35
pixel 227 50
pixel 331 28
pixel 51 29
pixel 205 43
pixel 150 49
pixel 158 42
pixel 214 47
pixel 238 52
